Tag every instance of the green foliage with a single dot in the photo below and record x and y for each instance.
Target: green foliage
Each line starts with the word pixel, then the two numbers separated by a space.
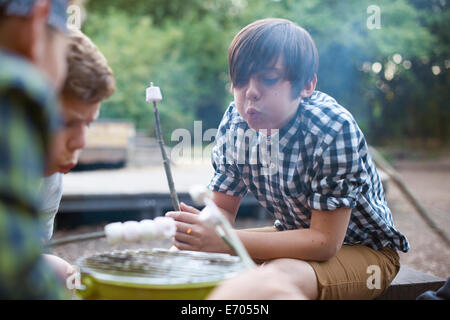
pixel 415 103
pixel 139 53
pixel 181 45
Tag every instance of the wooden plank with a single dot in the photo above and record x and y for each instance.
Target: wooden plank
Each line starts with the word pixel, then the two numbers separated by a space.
pixel 410 283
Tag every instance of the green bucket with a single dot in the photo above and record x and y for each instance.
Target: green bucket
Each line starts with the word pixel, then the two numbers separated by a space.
pixel 157 274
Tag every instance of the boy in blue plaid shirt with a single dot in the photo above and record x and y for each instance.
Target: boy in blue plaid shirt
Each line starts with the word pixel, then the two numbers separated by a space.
pixel 306 161
pixel 32 69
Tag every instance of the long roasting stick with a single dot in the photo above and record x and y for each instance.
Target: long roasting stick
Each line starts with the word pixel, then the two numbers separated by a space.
pixel 153 95
pixel 129 231
pixel 77 238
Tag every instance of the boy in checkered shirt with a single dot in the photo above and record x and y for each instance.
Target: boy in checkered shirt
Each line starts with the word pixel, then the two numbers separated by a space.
pixel 306 161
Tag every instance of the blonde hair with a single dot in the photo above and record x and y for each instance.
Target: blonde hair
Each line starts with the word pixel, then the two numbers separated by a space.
pixel 89 78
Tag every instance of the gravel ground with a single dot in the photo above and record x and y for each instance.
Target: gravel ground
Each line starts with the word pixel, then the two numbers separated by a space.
pixel 428 180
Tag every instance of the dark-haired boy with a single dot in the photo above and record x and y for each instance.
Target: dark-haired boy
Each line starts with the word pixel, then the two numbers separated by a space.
pixel 323 187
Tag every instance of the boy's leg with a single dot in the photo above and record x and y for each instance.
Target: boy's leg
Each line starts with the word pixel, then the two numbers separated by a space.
pixel 301 275
pixel 279 279
pixel 356 272
pixel 351 274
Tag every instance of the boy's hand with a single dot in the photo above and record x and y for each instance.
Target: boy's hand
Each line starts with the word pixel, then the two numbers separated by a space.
pixel 62 268
pixel 193 234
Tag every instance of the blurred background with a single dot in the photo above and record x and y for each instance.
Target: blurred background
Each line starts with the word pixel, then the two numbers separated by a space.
pixel 386 61
pixel 393 79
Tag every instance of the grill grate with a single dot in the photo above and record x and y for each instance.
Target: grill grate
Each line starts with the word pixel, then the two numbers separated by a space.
pixel 160 266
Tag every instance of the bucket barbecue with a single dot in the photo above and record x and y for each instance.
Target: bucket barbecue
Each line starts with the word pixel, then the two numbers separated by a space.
pixel 157 274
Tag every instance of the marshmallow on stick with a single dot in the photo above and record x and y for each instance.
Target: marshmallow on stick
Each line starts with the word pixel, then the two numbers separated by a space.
pixel 153 94
pixel 129 231
pixel 145 230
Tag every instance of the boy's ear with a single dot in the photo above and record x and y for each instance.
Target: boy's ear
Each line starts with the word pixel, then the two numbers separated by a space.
pixel 309 88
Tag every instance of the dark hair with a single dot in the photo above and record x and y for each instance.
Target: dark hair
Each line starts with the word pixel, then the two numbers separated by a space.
pixel 260 45
pixel 2 11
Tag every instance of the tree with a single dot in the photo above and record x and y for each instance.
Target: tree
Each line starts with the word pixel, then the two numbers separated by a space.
pixel 378 74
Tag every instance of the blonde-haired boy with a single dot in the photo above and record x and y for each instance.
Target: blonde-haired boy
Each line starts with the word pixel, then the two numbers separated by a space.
pixel 89 81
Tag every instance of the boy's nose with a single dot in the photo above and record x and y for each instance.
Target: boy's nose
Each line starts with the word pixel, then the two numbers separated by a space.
pixel 78 140
pixel 252 93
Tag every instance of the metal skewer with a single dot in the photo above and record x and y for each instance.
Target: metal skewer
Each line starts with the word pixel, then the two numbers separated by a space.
pixel 76 238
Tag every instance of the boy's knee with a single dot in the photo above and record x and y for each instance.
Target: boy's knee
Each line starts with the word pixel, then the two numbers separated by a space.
pixel 301 274
pixel 58 265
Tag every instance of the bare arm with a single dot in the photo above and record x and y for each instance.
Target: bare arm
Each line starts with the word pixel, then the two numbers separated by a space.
pixel 229 204
pixel 320 242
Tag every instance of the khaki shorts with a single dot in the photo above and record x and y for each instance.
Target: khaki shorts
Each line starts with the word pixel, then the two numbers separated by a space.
pixel 355 272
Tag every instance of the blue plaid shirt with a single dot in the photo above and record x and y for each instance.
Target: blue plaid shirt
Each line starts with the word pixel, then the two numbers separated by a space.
pixel 28 116
pixel 318 161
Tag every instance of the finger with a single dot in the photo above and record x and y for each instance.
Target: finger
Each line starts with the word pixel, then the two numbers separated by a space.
pixel 185 238
pixel 181 216
pixel 70 270
pixel 184 227
pixel 183 246
pixel 185 207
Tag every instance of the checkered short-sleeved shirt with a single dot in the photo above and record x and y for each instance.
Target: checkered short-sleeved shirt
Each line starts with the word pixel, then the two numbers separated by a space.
pixel 318 161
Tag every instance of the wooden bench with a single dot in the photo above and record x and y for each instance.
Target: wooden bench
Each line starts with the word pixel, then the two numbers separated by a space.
pixel 410 283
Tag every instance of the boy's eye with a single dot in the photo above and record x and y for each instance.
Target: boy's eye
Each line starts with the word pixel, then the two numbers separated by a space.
pixel 69 123
pixel 240 82
pixel 270 81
